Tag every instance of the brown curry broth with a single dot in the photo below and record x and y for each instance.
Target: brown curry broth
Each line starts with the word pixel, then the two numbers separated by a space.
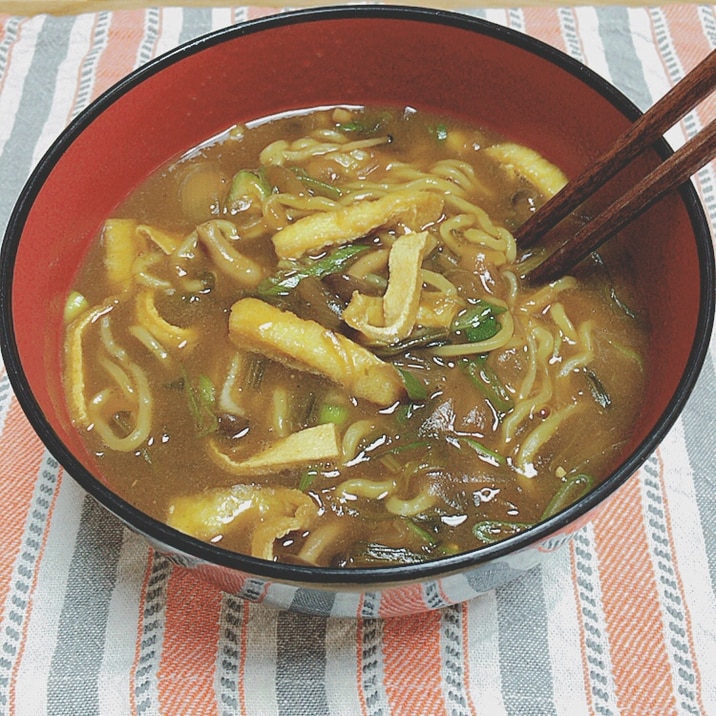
pixel 470 488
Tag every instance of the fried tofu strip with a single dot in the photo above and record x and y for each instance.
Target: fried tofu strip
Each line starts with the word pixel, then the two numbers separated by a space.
pixel 166 333
pixel 306 345
pixel 267 513
pixel 75 379
pixel 122 244
pixel 526 162
pixel 414 209
pixel 398 307
pixel 317 444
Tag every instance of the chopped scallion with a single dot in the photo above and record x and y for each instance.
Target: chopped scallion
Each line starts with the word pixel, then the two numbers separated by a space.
pixel 488 383
pixel 331 413
pixel 478 322
pixel 420 338
pixel 484 451
pixel 398 448
pixel 599 392
pixel 375 553
pixel 440 132
pixel 613 295
pixel 364 125
pixel 307 478
pixel 491 531
pixel 201 400
pixel 416 389
pixel 574 488
pixel 247 185
pixel 420 532
pixel 316 185
pixel 255 371
pixel 281 283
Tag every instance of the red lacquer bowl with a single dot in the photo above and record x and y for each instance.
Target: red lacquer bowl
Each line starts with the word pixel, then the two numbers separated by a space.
pixel 429 59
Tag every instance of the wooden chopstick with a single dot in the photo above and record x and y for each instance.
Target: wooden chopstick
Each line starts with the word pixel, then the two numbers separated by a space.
pixel 698 151
pixel 683 97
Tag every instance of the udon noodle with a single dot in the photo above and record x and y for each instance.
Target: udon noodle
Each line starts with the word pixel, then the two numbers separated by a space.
pixel 308 340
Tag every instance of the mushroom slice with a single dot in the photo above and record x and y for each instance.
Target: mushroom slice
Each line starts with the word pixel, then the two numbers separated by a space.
pixel 306 345
pixel 267 513
pixel 398 308
pixel 311 445
pixel 218 237
pixel 414 209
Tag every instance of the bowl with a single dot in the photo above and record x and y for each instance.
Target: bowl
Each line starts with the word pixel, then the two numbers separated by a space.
pixel 430 59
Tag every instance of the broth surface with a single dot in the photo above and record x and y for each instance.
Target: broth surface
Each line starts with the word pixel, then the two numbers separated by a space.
pixel 307 340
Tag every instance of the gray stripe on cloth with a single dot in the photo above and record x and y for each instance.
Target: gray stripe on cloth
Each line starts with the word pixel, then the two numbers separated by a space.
pixel 516 19
pixel 625 69
pixel 665 45
pixel 229 655
pixel 313 602
pixel 372 667
pixel 568 28
pixel 301 664
pixel 6 396
pixel 26 565
pixel 152 642
pixel 152 25
pixel 700 434
pixel 474 12
pixel 195 22
pixel 600 686
pixel 524 647
pixel 670 591
pixel 77 658
pixel 707 17
pixel 452 648
pixel 88 71
pixel 32 111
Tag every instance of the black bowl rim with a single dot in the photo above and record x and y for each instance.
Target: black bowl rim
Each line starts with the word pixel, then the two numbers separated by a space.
pixel 320 576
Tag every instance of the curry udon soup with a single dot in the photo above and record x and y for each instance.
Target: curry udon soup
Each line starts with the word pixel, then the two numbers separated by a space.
pixel 307 340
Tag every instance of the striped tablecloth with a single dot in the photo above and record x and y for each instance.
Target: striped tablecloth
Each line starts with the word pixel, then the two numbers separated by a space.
pixel 623 621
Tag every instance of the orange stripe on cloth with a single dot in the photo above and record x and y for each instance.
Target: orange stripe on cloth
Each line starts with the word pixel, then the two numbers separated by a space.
pixel 640 662
pixel 254 13
pixel 404 600
pixel 413 665
pixel 544 24
pixel 119 58
pixel 191 633
pixel 21 454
